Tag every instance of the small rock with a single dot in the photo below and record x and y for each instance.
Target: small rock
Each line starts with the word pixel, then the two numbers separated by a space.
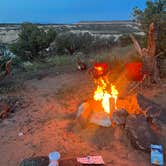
pixel 20 134
pixel 119 116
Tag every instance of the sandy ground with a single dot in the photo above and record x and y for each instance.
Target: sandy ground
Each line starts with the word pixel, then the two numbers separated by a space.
pixel 47 125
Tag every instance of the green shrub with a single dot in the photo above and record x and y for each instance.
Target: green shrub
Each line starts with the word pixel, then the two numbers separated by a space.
pixel 125 40
pixel 32 40
pixel 70 43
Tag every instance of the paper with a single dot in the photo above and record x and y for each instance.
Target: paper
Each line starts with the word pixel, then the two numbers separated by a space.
pixel 90 160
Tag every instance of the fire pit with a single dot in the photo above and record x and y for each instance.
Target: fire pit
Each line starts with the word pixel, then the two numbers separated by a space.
pixel 137 114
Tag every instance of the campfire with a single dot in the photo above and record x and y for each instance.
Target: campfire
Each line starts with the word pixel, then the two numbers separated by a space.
pixel 142 119
pixel 103 104
pixel 105 92
pixel 136 113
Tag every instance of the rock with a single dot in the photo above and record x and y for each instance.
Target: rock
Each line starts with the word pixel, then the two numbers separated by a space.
pixel 119 116
pixel 149 108
pixel 92 112
pixel 36 161
pixel 139 132
pixel 153 112
pixel 83 114
pixel 101 118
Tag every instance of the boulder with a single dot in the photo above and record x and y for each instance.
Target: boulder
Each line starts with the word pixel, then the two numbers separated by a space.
pixel 153 111
pixel 83 113
pixel 139 132
pixel 92 112
pixel 119 117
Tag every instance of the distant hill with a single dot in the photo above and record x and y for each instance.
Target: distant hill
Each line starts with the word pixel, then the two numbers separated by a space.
pixel 9 32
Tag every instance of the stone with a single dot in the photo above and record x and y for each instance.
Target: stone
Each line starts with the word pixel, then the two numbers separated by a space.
pixel 101 118
pixel 119 117
pixel 139 132
pixel 148 107
pixel 83 113
pixel 35 161
pixel 153 111
pixel 92 112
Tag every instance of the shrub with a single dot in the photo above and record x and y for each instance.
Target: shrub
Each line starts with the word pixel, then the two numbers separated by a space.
pixel 100 44
pixel 32 40
pixel 73 42
pixel 125 40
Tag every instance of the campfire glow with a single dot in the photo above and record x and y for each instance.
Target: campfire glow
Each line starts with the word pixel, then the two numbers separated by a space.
pixel 104 92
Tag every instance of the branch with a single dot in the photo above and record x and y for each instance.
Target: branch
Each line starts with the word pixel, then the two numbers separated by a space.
pixel 136 45
pixel 151 41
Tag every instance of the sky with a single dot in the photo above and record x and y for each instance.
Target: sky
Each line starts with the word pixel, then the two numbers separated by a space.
pixel 66 11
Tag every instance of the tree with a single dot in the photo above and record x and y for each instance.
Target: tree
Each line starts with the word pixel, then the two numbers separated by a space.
pixel 32 40
pixel 155 12
pixel 73 42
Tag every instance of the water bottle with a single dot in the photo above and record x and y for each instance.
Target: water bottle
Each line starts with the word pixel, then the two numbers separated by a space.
pixel 54 157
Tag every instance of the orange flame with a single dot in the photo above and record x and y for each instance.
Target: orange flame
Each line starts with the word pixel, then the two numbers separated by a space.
pixel 103 93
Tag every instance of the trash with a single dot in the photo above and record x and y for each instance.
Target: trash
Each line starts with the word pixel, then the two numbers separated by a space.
pixel 157 155
pixel 54 157
pixel 20 134
pixel 90 160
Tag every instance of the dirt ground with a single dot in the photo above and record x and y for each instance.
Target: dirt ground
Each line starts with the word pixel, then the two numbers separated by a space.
pixel 46 123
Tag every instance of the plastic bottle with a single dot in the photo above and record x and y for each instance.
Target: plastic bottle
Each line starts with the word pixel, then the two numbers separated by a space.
pixel 54 157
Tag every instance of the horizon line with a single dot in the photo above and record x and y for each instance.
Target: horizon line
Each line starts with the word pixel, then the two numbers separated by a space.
pixel 51 23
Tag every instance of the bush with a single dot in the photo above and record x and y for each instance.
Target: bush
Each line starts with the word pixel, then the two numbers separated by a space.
pixel 70 43
pixel 101 44
pixel 125 40
pixel 32 40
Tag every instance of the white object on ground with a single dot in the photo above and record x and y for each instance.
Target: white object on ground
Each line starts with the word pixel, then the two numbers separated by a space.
pixel 90 160
pixel 20 134
pixel 54 157
pixel 101 119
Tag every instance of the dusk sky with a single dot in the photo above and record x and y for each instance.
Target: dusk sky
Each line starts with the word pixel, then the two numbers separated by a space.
pixel 66 11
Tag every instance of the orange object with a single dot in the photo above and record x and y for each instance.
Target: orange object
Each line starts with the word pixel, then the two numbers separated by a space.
pixel 134 71
pixel 100 69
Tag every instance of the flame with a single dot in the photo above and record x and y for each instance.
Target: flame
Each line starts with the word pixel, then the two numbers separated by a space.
pixel 104 92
